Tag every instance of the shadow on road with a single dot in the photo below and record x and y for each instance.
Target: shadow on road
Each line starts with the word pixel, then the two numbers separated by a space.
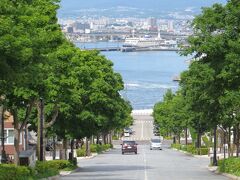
pixel 93 176
pixel 112 168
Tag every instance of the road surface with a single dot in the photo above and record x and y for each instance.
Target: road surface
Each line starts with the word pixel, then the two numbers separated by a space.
pixel 148 164
pixel 142 128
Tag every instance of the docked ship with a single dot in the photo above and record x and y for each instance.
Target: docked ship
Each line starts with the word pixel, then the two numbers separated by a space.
pixel 148 42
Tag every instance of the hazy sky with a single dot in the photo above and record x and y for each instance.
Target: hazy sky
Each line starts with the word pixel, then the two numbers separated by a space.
pixel 149 4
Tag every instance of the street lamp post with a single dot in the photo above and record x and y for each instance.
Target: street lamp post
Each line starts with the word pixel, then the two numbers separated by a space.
pixel 4 157
pixel 215 147
pixel 41 130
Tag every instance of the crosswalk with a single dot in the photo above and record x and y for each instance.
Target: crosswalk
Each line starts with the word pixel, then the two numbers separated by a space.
pixel 143 122
pixel 146 112
pixel 136 138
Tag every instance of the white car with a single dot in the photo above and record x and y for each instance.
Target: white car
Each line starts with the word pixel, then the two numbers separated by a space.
pixel 126 134
pixel 156 144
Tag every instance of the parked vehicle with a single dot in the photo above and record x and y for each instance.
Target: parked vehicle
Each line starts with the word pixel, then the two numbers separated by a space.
pixel 129 146
pixel 155 144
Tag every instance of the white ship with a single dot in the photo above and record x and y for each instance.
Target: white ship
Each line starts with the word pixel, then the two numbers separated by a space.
pixel 150 42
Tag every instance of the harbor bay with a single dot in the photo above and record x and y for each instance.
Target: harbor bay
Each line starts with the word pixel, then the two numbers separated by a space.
pixel 146 75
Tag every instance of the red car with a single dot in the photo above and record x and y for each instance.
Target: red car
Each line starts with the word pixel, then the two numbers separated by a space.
pixel 129 146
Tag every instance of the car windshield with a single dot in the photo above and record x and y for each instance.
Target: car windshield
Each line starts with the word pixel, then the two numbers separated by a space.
pixel 127 129
pixel 129 142
pixel 156 140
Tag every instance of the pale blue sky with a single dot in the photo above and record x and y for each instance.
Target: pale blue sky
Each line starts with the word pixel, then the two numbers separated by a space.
pixel 152 4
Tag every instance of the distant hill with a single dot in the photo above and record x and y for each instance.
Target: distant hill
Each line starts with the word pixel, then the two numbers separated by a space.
pixel 75 7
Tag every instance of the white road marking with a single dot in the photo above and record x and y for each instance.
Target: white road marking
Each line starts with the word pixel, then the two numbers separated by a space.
pixel 138 122
pixel 145 165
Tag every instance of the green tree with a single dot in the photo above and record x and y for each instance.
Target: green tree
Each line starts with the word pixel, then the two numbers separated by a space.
pixel 28 32
pixel 214 44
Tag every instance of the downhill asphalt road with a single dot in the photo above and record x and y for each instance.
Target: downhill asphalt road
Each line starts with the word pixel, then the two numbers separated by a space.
pixel 148 164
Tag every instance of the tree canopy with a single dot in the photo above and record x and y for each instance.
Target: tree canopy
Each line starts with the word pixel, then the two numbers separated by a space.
pixel 80 89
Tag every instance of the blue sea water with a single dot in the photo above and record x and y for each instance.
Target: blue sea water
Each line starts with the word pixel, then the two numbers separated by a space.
pixel 146 75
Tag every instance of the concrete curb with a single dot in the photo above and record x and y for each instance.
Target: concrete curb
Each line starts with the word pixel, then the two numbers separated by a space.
pixel 65 173
pixel 93 155
pixel 52 178
pixel 88 157
pixel 214 169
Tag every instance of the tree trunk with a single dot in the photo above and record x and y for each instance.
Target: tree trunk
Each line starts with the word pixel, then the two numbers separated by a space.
pixel 16 138
pixel 104 138
pixel 16 145
pixel 224 142
pixel 107 138
pixel 199 142
pixel 26 137
pixel 72 150
pixel 61 151
pixel 40 131
pixel 237 140
pixel 186 136
pixel 174 139
pixel 4 158
pixel 87 152
pixel 98 139
pixel 229 141
pixel 179 138
pixel 65 149
pixel 234 138
pixel 215 147
pixel 110 138
pixel 54 148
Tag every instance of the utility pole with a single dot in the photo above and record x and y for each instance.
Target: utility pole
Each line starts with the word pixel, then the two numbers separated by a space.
pixel 41 130
pixel 215 147
pixel 54 147
pixel 4 157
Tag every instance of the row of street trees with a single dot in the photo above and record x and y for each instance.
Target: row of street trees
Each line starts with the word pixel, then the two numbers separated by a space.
pixel 209 95
pixel 45 77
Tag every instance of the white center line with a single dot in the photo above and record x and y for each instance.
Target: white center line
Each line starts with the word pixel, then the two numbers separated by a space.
pixel 145 165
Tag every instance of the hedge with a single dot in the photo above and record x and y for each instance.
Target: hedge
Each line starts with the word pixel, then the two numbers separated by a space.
pixel 42 170
pixel 106 147
pixel 202 151
pixel 46 169
pixel 230 165
pixel 115 138
pixel 62 164
pixel 80 152
pixel 207 142
pixel 191 149
pixel 52 168
pixel 12 172
pixel 94 148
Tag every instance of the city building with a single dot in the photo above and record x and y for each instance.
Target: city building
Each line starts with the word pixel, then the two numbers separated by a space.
pixel 9 137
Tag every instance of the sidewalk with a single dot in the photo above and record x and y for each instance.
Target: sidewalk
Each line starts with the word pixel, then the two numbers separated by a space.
pixel 214 169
